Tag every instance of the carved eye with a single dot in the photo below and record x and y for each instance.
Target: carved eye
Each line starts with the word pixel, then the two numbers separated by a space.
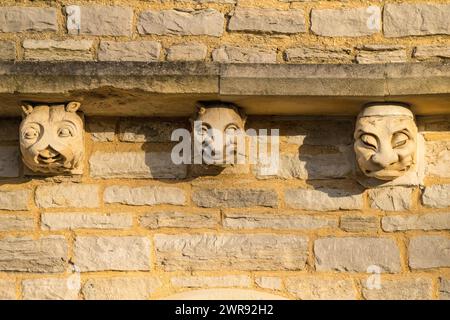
pixel 31 134
pixel 64 132
pixel 369 141
pixel 231 130
pixel 399 139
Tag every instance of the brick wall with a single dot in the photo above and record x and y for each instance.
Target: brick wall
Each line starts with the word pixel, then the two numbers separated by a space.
pixel 136 226
pixel 229 31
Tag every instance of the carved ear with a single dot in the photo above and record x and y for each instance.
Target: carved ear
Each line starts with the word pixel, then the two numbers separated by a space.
pixel 73 106
pixel 26 109
pixel 243 115
pixel 199 110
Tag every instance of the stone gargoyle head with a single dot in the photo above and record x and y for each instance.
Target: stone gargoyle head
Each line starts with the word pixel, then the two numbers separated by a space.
pixel 385 141
pixel 219 129
pixel 52 138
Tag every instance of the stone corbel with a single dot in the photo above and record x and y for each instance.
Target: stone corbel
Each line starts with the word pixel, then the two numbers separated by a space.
pixel 52 139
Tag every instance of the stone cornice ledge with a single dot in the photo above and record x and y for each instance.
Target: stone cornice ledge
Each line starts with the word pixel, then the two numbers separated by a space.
pixel 166 88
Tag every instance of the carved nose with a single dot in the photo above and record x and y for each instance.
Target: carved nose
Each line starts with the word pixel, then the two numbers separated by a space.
pixel 385 158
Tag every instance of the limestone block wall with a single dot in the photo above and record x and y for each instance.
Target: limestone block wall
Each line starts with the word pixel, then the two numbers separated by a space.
pixel 136 226
pixel 227 31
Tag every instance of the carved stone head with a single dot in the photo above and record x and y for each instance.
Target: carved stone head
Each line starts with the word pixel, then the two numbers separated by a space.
pixel 385 141
pixel 218 128
pixel 51 138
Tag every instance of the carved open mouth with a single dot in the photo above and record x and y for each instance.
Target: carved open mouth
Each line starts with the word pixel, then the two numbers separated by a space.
pixel 57 158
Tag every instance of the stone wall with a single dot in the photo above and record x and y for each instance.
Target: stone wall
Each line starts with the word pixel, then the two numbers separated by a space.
pixel 136 226
pixel 227 31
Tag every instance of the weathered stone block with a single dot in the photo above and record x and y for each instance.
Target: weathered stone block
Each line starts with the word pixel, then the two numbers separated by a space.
pixel 272 283
pixel 190 51
pixel 148 130
pixel 279 221
pixel 430 221
pixel 149 165
pixel 99 20
pixel 16 222
pixel 444 289
pixel 381 54
pixel 235 198
pixel 173 22
pixel 438 159
pixel 67 195
pixel 129 51
pixel 44 255
pixel 51 289
pixel 429 252
pixel 93 253
pixel 232 54
pixel 7 289
pixel 399 289
pixel 359 223
pixel 431 52
pixel 141 196
pixel 355 22
pixel 421 19
pixel 7 51
pixel 267 21
pixel 24 19
pixel 323 199
pixel 68 220
pixel 390 199
pixel 9 162
pixel 101 130
pixel 52 50
pixel 156 220
pixel 311 288
pixel 211 282
pixel 354 254
pixel 120 288
pixel 14 200
pixel 437 196
pixel 231 251
pixel 319 55
pixel 9 129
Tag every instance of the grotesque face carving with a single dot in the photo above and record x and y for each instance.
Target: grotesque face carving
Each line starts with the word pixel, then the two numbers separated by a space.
pixel 51 138
pixel 385 141
pixel 219 128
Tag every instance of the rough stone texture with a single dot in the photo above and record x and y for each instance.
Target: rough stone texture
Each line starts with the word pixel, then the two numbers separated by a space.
pixel 14 200
pixel 431 221
pixel 267 20
pixel 120 288
pixel 272 283
pixel 359 223
pixel 279 221
pixel 129 51
pixel 311 288
pixel 21 19
pixel 141 196
pixel 173 219
pixel 7 289
pixel 101 130
pixel 353 254
pixel 231 251
pixel 401 20
pixel 429 252
pixel 431 52
pixel 390 199
pixel 319 55
pixel 52 50
pixel 9 129
pixel 50 289
pixel 173 22
pixel 232 54
pixel 104 21
pixel 67 196
pixel 9 162
pixel 44 255
pixel 93 253
pixel 324 199
pixel 68 220
pixel 381 54
pixel 16 222
pixel 191 51
pixel 438 159
pixel 437 196
pixel 7 50
pixel 211 282
pixel 150 165
pixel 398 289
pixel 345 22
pixel 149 130
pixel 235 198
pixel 444 289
